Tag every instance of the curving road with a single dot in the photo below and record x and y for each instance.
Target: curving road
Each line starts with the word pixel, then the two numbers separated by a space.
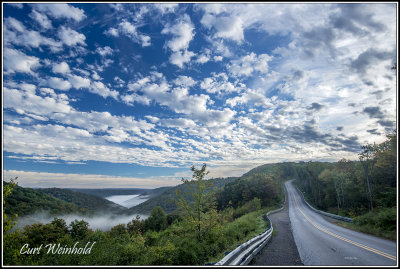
pixel 320 242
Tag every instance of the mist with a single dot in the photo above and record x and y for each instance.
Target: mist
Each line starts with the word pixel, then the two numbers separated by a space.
pixel 99 221
pixel 128 201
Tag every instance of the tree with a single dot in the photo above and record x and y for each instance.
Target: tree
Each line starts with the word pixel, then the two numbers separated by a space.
pixel 79 229
pixel 367 161
pixel 135 226
pixel 118 230
pixel 195 210
pixel 11 239
pixel 157 221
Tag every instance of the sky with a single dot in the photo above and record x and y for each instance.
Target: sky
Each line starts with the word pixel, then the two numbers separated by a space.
pixel 110 95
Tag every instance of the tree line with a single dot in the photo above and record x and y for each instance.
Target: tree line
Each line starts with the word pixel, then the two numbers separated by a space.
pixel 210 221
pixel 202 229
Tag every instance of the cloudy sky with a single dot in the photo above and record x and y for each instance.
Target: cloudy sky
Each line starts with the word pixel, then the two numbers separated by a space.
pixel 133 95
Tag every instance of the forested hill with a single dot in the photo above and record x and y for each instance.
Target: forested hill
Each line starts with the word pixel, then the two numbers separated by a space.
pixel 91 202
pixel 25 201
pixel 353 187
pixel 111 191
pixel 166 200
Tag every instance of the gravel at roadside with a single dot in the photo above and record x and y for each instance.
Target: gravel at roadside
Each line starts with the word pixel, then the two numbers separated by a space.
pixel 281 249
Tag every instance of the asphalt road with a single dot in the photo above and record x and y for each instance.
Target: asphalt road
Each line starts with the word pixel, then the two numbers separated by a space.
pixel 320 242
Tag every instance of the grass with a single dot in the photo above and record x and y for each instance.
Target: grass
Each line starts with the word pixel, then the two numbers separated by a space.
pixel 380 222
pixel 251 224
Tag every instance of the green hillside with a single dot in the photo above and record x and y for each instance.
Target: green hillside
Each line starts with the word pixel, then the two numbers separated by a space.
pixel 88 201
pixel 25 201
pixel 166 200
pixel 110 191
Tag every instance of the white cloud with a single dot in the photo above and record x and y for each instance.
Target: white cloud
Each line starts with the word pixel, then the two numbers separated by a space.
pixel 248 64
pixel 16 33
pixel 182 32
pixel 42 19
pixel 165 8
pixel 179 58
pixel 61 68
pixel 17 61
pixel 59 84
pixel 112 32
pixel 129 99
pixel 15 24
pixel 202 59
pixel 218 58
pixel 105 51
pixel 152 118
pixel 219 84
pixel 99 88
pixel 44 106
pixel 28 88
pixel 128 29
pixel 178 123
pixel 79 82
pixel 29 179
pixel 61 11
pixel 16 5
pixel 229 27
pixel 95 76
pixel 252 97
pixel 71 37
pixel 184 81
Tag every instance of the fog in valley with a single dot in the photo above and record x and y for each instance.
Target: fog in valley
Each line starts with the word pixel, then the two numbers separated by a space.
pixel 128 200
pixel 103 222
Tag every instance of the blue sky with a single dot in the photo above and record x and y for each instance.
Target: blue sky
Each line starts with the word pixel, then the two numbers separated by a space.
pixel 132 95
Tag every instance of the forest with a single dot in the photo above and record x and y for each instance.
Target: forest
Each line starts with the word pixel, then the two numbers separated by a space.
pixel 207 222
pixel 364 190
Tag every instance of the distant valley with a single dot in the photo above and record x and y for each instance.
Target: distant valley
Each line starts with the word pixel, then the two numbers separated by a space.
pixel 101 208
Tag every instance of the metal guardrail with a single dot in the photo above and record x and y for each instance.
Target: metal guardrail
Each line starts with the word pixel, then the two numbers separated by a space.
pixel 326 213
pixel 245 252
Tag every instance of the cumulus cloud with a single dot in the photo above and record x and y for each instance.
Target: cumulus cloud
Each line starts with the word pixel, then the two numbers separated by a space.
pixel 42 19
pixel 16 33
pixel 99 88
pixel 58 11
pixel 182 32
pixel 71 37
pixel 44 106
pixel 129 29
pixel 105 51
pixel 184 81
pixel 218 84
pixel 79 82
pixel 61 68
pixel 179 58
pixel 59 84
pixel 17 61
pixel 165 8
pixel 257 108
pixel 28 87
pixel 248 64
pixel 229 27
pixel 130 99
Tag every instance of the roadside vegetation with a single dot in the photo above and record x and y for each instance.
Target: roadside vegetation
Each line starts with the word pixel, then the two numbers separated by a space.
pixel 207 222
pixel 364 190
pixel 200 231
